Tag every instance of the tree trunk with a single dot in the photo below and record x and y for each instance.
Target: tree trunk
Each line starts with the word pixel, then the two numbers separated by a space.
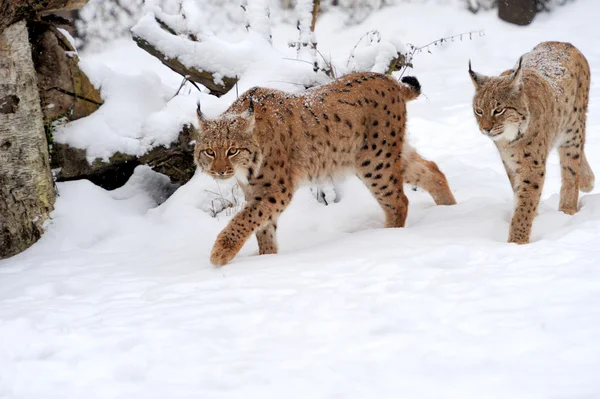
pixel 26 187
pixel 519 12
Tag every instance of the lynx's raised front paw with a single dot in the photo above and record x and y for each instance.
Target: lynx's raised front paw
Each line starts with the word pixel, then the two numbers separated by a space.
pixel 223 251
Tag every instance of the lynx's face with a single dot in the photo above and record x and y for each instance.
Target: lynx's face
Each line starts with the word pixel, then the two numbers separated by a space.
pixel 226 146
pixel 499 105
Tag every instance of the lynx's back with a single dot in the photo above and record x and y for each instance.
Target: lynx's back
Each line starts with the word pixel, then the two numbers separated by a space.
pixel 565 73
pixel 355 121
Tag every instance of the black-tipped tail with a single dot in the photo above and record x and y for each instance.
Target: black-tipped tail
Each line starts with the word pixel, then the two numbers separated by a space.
pixel 413 86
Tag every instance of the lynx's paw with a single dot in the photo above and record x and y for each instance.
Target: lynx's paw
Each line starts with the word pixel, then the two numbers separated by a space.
pixel 223 251
pixel 517 238
pixel 568 210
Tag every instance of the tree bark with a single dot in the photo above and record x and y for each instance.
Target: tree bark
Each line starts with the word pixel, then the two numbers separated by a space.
pixel 12 11
pixel 26 187
pixel 519 12
pixel 315 13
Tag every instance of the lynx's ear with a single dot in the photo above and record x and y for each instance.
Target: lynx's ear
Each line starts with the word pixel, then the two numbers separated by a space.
pixel 517 75
pixel 249 121
pixel 477 78
pixel 201 121
pixel 201 117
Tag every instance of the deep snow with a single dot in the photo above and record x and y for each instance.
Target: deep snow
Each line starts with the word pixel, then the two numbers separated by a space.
pixel 118 299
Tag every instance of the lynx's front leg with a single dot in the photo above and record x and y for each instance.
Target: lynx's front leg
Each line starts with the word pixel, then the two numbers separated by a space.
pixel 267 242
pixel 260 213
pixel 528 190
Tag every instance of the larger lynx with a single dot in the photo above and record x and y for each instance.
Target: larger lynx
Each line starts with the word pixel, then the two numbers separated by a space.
pixel 272 141
pixel 528 111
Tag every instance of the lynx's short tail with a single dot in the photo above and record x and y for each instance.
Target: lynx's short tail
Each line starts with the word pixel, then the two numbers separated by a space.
pixel 411 88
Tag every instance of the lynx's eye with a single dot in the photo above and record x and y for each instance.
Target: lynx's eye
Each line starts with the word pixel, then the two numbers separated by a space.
pixel 498 111
pixel 478 112
pixel 209 152
pixel 232 151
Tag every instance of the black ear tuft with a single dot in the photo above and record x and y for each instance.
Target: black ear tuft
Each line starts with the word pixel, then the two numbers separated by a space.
pixel 517 72
pixel 472 73
pixel 412 82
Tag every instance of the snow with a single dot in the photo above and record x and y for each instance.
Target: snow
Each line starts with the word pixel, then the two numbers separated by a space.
pixel 118 299
pixel 550 67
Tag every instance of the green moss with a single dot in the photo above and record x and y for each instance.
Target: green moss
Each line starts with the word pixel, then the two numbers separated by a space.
pixel 50 128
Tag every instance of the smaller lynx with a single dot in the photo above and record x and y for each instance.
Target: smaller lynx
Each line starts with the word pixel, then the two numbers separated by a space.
pixel 272 142
pixel 530 110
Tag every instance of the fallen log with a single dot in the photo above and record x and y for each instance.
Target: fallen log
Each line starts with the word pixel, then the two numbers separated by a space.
pixel 205 78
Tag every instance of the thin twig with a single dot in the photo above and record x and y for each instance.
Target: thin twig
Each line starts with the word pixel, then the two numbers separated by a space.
pixel 415 50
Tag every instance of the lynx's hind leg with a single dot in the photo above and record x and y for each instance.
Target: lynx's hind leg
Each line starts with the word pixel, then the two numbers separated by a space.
pixel 575 170
pixel 384 180
pixel 267 241
pixel 586 180
pixel 570 163
pixel 426 174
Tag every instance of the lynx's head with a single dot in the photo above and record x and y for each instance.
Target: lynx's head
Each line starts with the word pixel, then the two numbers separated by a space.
pixel 226 146
pixel 499 104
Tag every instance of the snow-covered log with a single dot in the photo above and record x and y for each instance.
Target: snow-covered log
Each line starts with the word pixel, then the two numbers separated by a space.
pixel 218 85
pixel 203 59
pixel 196 53
pixel 26 187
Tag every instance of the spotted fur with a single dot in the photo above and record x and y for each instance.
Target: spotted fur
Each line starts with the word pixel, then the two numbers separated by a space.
pixel 356 123
pixel 539 105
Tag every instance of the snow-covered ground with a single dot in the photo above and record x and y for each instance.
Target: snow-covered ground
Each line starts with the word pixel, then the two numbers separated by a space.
pixel 118 299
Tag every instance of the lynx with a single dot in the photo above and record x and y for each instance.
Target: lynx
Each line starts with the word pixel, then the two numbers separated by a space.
pixel 272 141
pixel 529 110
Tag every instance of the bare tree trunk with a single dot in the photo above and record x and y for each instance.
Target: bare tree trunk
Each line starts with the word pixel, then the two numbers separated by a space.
pixel 315 12
pixel 26 187
pixel 519 12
